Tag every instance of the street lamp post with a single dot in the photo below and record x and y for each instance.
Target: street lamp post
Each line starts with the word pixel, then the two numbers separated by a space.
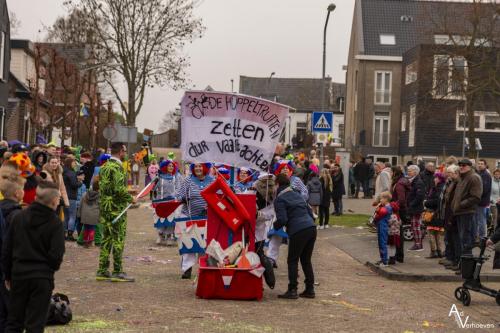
pixel 330 9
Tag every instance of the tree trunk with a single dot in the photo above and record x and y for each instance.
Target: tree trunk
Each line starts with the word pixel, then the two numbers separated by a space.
pixel 471 131
pixel 130 114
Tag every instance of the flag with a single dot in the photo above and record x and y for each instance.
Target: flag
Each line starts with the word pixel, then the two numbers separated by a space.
pixel 84 111
pixel 145 191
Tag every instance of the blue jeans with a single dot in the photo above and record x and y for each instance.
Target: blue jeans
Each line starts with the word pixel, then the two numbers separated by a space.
pixel 480 222
pixel 466 234
pixel 383 236
pixel 70 216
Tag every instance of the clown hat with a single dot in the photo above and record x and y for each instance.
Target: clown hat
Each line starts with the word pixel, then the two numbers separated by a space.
pixel 164 164
pixel 103 159
pixel 281 164
pixel 23 164
pixel 206 167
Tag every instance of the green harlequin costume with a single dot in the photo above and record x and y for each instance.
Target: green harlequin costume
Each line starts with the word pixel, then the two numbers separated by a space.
pixel 114 198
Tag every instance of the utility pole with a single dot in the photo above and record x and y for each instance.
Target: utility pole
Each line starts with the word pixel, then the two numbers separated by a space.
pixel 330 9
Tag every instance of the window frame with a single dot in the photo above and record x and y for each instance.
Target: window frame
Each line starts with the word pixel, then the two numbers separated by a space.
pixel 482 121
pixel 387 39
pixel 382 118
pixel 414 73
pixel 2 56
pixel 376 90
pixel 412 125
pixel 449 82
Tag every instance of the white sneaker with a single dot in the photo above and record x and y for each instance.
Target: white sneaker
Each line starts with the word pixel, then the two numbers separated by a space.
pixel 321 227
pixel 382 265
pixel 327 226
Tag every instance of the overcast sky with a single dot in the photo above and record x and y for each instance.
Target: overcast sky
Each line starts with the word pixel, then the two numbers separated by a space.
pixel 243 37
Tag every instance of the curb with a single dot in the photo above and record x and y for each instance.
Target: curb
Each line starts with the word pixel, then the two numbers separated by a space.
pixel 398 276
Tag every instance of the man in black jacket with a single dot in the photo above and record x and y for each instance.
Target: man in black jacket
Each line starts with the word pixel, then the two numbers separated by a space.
pixel 32 252
pixel 361 175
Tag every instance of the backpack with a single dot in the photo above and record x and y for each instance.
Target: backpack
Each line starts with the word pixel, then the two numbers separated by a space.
pixel 59 310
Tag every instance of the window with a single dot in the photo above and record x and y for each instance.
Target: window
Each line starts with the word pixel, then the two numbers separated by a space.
pixel 403 122
pixel 483 121
pixel 383 87
pixel 381 130
pixel 411 73
pixel 459 40
pixel 2 55
pixel 411 134
pixel 449 77
pixel 387 39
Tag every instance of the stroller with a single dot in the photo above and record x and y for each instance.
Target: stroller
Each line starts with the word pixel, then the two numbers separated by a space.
pixel 471 269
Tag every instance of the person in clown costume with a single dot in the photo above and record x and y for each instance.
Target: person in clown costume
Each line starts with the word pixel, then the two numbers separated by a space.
pixel 193 206
pixel 169 181
pixel 223 170
pixel 276 236
pixel 244 180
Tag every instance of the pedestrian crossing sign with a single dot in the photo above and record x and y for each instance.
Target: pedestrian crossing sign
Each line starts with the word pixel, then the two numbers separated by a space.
pixel 322 122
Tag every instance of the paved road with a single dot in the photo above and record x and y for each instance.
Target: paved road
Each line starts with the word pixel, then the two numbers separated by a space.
pixel 350 297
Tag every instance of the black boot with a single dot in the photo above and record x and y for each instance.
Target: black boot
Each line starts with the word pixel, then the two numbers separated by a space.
pixel 308 293
pixel 290 294
pixel 187 274
pixel 392 260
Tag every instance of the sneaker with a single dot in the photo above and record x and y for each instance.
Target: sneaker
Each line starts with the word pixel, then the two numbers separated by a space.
pixel 327 226
pixel 382 265
pixel 103 276
pixel 392 261
pixel 290 294
pixel 121 277
pixel 321 227
pixel 416 248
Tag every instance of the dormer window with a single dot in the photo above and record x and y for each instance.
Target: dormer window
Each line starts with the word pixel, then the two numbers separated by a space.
pixel 387 39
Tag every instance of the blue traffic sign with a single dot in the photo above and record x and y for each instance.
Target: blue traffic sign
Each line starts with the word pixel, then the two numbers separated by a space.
pixel 322 122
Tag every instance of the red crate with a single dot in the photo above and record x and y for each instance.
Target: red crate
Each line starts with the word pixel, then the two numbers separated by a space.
pixel 229 283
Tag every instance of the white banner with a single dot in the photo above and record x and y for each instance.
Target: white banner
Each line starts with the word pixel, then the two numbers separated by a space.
pixel 228 128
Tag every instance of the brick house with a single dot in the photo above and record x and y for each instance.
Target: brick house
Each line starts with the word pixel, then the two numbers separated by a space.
pixel 20 121
pixel 433 104
pixel 385 35
pixel 381 31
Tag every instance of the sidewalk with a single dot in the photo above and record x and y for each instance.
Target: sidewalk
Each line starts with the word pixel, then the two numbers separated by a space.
pixel 361 245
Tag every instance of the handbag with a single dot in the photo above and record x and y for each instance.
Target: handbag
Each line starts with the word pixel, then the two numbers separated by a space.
pixel 427 216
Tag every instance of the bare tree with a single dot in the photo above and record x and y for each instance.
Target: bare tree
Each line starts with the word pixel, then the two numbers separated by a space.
pixel 141 41
pixel 15 24
pixel 169 120
pixel 466 58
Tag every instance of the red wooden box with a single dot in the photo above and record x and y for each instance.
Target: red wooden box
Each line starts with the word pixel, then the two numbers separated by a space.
pixel 229 283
